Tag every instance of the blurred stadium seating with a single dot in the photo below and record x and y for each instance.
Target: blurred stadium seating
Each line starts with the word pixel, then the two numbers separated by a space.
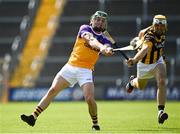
pixel 126 18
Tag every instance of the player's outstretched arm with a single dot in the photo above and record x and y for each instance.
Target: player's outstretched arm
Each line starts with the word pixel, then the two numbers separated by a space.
pixel 94 43
pixel 138 56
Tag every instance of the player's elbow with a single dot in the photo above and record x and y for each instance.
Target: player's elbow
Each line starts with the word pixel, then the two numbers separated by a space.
pixel 141 33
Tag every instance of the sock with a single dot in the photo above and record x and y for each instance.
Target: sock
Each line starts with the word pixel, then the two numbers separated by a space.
pixel 131 83
pixel 94 119
pixel 37 112
pixel 161 107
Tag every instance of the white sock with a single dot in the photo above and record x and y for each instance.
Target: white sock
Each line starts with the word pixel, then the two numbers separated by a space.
pixel 160 111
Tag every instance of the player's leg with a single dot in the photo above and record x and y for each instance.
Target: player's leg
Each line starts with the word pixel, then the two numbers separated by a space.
pixel 140 81
pixel 58 84
pixel 85 80
pixel 63 79
pixel 135 82
pixel 160 74
pixel 88 89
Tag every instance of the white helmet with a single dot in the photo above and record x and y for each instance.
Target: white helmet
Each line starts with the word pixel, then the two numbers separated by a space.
pixel 160 19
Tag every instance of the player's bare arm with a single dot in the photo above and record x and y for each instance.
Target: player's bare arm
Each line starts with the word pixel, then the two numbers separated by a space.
pixel 94 43
pixel 141 33
pixel 138 56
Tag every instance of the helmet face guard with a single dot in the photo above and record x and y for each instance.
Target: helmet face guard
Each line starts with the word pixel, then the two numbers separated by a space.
pixel 160 20
pixel 100 14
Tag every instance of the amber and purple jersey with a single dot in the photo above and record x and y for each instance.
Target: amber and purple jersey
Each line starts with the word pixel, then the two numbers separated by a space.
pixel 83 55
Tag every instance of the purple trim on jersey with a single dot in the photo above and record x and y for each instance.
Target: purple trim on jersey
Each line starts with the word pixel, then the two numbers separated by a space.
pixel 100 37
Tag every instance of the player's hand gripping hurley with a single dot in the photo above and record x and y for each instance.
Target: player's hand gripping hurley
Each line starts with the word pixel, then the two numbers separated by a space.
pixel 135 44
pixel 114 43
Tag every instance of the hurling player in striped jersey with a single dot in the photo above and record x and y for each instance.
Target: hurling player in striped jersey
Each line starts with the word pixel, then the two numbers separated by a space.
pixel 150 62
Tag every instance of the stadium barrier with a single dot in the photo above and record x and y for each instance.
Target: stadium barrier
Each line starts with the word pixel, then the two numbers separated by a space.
pixel 35 94
pixel 115 93
pixel 109 93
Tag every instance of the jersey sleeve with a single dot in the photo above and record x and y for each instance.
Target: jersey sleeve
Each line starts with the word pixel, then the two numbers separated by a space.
pixel 102 39
pixel 107 42
pixel 83 29
pixel 149 37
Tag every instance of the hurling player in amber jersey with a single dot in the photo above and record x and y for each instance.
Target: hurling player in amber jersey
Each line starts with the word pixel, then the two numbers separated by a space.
pixel 89 43
pixel 150 62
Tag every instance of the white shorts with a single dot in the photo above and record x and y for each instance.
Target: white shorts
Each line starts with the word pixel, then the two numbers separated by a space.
pixel 75 75
pixel 145 71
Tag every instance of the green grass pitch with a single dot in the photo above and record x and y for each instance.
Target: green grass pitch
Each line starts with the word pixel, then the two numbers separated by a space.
pixel 72 117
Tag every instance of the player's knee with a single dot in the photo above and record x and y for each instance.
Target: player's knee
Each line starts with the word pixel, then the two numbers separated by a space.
pixel 89 99
pixel 161 82
pixel 52 91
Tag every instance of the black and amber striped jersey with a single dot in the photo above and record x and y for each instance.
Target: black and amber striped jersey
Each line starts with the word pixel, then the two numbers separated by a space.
pixel 155 44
